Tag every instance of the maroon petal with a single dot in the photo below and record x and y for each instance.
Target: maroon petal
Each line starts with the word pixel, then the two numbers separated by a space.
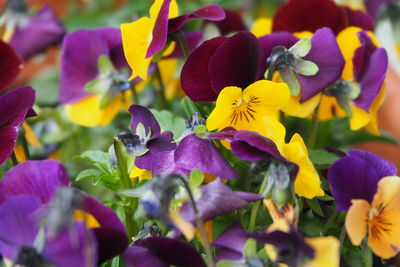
pixel 359 19
pixel 14 106
pixel 236 62
pixel 42 30
pixel 233 22
pixel 10 65
pixel 35 177
pixel 140 114
pixel 325 52
pixel 309 15
pixel 195 75
pixel 142 257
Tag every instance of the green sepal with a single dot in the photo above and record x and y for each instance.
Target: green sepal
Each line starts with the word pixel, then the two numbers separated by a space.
pixel 290 78
pixel 305 67
pixel 106 67
pixel 196 179
pixel 98 85
pixel 301 48
pixel 354 91
pixel 250 248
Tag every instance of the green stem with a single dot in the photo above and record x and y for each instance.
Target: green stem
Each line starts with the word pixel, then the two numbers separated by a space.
pixel 183 43
pixel 330 221
pixel 199 223
pixel 13 159
pixel 254 211
pixel 341 238
pixel 135 96
pixel 164 100
pixel 25 144
pixel 314 129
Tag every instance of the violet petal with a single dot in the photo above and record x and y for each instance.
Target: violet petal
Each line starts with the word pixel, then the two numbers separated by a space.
pixel 140 114
pixel 142 257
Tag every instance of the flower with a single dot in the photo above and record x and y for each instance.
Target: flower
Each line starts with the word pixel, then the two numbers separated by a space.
pixel 15 106
pixel 10 65
pixel 244 109
pixel 92 76
pixel 147 36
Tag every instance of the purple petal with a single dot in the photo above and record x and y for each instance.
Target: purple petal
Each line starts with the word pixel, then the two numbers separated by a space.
pixel 359 19
pixel 140 114
pixel 160 30
pixel 216 199
pixel 113 38
pixel 14 106
pixel 142 257
pixel 173 251
pixel 164 163
pixel 227 133
pixel 193 39
pixel 325 52
pixel 75 246
pixel 42 30
pixel 251 146
pixel 195 75
pixel 10 65
pixel 369 66
pixel 197 153
pixel 236 62
pixel 227 254
pixel 356 177
pixel 36 177
pixel 233 22
pixel 18 223
pixel 111 236
pixel 268 42
pixel 80 53
pixel 233 238
pixel 375 6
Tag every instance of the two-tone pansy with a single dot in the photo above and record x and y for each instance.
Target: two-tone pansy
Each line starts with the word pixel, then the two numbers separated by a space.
pixel 364 185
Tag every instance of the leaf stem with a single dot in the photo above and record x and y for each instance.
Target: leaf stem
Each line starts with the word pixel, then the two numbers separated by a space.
pixel 254 211
pixel 314 129
pixel 164 101
pixel 183 43
pixel 13 159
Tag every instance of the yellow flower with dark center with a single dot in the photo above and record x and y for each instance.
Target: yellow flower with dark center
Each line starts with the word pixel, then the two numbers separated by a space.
pixel 380 219
pixel 245 109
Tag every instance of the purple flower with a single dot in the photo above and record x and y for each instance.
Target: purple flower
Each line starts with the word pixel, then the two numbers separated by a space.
pixel 41 180
pixel 14 107
pixel 356 176
pixel 162 252
pixel 79 60
pixel 39 32
pixel 10 65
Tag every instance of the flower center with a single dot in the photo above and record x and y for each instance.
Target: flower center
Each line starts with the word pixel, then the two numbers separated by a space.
pixel 244 109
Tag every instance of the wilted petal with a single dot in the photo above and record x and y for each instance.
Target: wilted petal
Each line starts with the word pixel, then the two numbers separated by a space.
pixel 236 62
pixel 195 75
pixel 10 65
pixel 196 153
pixel 216 199
pixel 14 106
pixel 356 177
pixel 42 30
pixel 325 52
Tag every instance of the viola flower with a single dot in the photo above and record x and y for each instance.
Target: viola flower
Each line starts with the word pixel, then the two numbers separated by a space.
pixel 360 91
pixel 147 36
pixel 93 82
pixel 31 35
pixel 304 15
pixel 10 65
pixel 40 180
pixel 15 106
pixel 162 251
pixel 245 109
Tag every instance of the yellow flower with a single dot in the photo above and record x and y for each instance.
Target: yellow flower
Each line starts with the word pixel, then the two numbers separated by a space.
pixel 262 26
pixel 307 182
pixel 380 219
pixel 137 36
pixel 245 109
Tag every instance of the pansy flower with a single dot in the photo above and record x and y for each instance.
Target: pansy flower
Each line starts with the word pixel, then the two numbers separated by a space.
pixel 15 105
pixel 30 35
pixel 360 91
pixel 147 36
pixel 364 185
pixel 10 65
pixel 93 83
pixel 41 181
pixel 305 15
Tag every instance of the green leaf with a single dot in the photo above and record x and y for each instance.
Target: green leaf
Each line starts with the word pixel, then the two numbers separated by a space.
pixel 90 173
pixel 228 263
pixel 305 67
pixel 314 205
pixel 322 157
pixel 95 158
pixel 301 48
pixel 169 121
pixel 106 67
pixel 196 178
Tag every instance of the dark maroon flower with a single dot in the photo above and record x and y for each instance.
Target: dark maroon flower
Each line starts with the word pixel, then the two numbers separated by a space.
pixel 232 22
pixel 356 176
pixel 14 107
pixel 10 65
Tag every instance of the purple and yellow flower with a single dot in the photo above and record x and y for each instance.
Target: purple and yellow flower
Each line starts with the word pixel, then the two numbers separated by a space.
pixel 15 106
pixel 30 35
pixel 364 185
pixel 93 83
pixel 41 181
pixel 147 36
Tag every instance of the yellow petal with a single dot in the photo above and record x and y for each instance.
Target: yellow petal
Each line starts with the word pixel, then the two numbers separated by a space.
pixel 391 224
pixel 388 193
pixel 381 247
pixel 141 174
pixel 19 153
pixel 136 39
pixel 372 126
pixel 307 183
pixel 219 117
pixel 262 26
pixel 303 34
pixel 30 136
pixel 168 68
pixel 359 118
pixel 155 9
pixel 185 227
pixel 301 110
pixel 275 131
pixel 326 252
pixel 356 220
pixel 89 219
pixel 329 108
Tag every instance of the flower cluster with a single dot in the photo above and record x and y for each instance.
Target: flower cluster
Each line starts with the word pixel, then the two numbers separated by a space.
pixel 196 138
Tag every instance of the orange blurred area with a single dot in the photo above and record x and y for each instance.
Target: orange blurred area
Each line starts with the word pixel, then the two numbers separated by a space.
pixel 389 120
